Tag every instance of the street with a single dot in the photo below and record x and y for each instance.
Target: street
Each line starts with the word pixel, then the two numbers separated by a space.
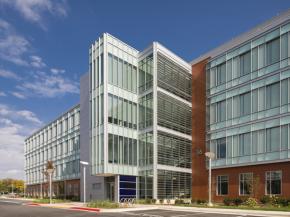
pixel 18 208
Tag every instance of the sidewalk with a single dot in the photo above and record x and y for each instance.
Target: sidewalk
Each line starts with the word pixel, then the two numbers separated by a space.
pixel 140 207
pixel 227 211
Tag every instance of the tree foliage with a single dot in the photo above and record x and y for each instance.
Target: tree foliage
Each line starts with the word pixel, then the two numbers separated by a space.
pixel 6 185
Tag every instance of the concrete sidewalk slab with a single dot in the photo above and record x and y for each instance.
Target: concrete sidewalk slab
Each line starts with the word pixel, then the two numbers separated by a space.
pixel 141 207
pixel 228 211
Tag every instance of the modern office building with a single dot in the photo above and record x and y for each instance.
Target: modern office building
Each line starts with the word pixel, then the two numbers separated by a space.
pixel 147 118
pixel 135 125
pixel 140 126
pixel 58 141
pixel 245 87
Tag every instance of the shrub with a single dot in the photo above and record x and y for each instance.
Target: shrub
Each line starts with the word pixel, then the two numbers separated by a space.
pixel 283 201
pixel 153 201
pixel 228 201
pixel 251 202
pixel 179 201
pixel 161 201
pixel 201 201
pixel 274 200
pixel 237 201
pixel 192 201
pixel 148 201
pixel 103 204
pixel 265 199
pixel 144 201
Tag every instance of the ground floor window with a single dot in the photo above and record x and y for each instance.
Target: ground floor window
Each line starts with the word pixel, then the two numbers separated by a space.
pixel 246 183
pixel 222 185
pixel 273 182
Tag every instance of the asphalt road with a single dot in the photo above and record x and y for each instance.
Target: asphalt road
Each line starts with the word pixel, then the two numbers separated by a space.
pixel 16 208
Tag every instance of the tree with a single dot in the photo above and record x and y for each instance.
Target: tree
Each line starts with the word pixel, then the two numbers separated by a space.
pixel 6 185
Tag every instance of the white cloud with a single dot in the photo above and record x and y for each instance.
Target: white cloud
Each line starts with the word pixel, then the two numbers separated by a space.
pixel 9 114
pixel 12 165
pixel 49 86
pixel 34 10
pixel 28 115
pixel 15 126
pixel 37 62
pixel 56 71
pixel 8 74
pixel 2 93
pixel 12 45
pixel 18 95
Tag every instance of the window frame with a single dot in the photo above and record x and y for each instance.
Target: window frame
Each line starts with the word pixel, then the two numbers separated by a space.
pixel 281 181
pixel 252 182
pixel 218 185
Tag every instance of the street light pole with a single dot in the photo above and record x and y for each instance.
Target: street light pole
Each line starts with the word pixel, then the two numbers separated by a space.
pixel 209 183
pixel 84 163
pixel 84 184
pixel 50 172
pixel 50 187
pixel 210 156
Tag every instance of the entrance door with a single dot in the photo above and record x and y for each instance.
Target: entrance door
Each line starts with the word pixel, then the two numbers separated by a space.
pixel 111 191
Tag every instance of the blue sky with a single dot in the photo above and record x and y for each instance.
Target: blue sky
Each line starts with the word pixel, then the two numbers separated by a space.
pixel 44 50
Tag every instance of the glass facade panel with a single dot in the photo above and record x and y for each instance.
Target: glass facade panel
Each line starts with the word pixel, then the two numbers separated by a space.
pixel 173 184
pixel 173 114
pixel 145 111
pixel 174 151
pixel 221 74
pixel 273 95
pixel 284 92
pixel 284 46
pixel 221 111
pixel 173 77
pixel 122 112
pixel 122 150
pixel 273 51
pixel 273 139
pixel 255 59
pixel 122 73
pixel 245 104
pixel 221 149
pixel 145 73
pixel 146 149
pixel 245 63
pixel 245 144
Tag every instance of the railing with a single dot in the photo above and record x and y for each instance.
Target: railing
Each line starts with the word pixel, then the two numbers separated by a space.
pixel 127 202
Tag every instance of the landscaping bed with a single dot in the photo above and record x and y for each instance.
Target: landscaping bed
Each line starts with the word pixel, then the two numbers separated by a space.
pixel 46 200
pixel 103 204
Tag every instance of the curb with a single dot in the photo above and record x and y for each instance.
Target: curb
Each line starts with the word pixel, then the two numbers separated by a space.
pixel 33 204
pixel 85 209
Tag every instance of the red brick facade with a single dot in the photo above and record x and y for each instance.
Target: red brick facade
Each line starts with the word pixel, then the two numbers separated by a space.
pixel 69 189
pixel 259 174
pixel 199 172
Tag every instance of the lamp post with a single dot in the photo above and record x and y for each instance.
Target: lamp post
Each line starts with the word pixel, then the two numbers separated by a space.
pixel 50 172
pixel 210 156
pixel 84 163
